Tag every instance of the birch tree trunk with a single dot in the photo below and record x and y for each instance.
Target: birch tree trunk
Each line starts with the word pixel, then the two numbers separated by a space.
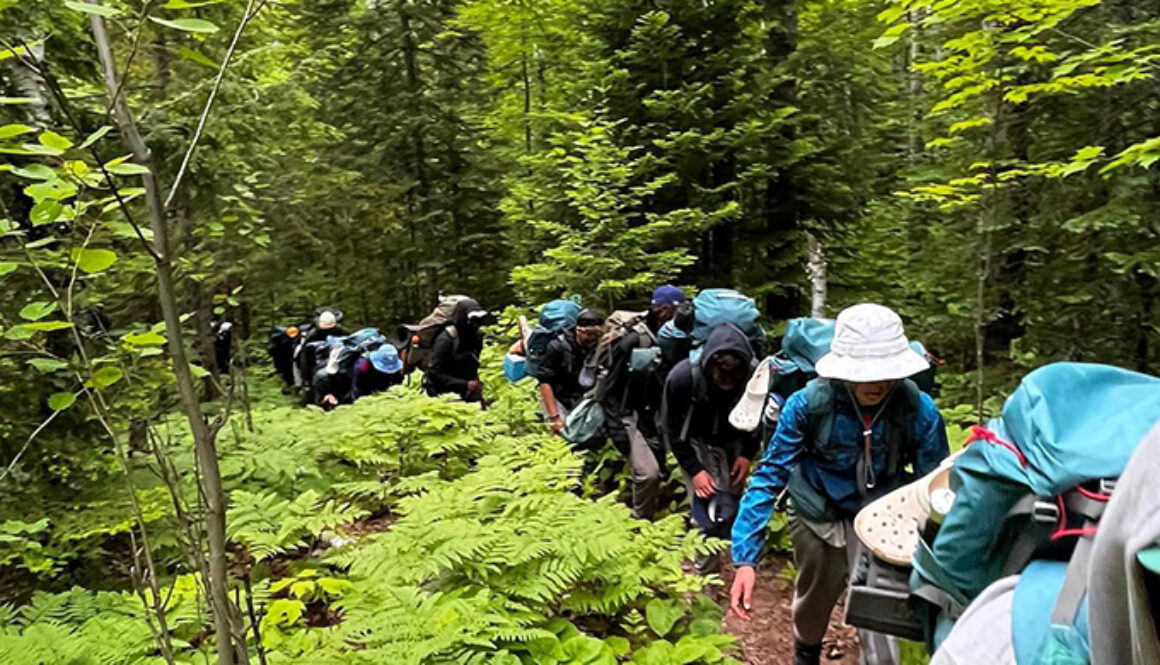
pixel 28 83
pixel 816 269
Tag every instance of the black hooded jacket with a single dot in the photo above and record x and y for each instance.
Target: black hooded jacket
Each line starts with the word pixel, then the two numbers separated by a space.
pixel 690 396
pixel 562 367
pixel 454 359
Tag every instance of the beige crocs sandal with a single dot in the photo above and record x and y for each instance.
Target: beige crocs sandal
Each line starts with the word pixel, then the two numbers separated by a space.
pixel 889 527
pixel 746 416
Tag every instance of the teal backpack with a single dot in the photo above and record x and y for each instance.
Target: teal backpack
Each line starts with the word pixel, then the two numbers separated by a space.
pixel 1029 492
pixel 803 345
pixel 712 307
pixel 555 317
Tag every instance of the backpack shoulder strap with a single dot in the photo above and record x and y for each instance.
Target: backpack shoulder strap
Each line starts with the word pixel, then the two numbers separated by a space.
pixel 820 410
pixel 697 394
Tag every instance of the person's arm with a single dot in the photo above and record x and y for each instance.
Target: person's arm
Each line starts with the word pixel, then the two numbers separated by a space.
pixel 675 405
pixel 768 480
pixel 443 364
pixel 931 434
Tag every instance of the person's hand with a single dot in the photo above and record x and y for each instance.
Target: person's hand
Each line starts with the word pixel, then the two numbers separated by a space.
pixel 741 595
pixel 740 471
pixel 557 425
pixel 330 400
pixel 703 485
pixel 475 386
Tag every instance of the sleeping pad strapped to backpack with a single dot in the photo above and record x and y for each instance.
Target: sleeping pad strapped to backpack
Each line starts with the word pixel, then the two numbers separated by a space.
pixel 415 341
pixel 1029 492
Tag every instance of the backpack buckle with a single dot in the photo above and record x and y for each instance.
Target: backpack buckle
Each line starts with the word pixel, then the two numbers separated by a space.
pixel 1045 511
pixel 1107 486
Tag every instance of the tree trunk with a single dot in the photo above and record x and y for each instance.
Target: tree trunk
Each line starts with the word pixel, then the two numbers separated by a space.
pixel 27 82
pixel 203 436
pixel 981 319
pixel 1147 287
pixel 819 287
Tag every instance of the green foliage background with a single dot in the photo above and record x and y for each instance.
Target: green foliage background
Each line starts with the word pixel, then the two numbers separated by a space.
pixel 983 166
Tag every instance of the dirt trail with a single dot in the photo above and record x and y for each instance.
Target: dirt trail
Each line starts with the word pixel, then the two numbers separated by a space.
pixel 767 639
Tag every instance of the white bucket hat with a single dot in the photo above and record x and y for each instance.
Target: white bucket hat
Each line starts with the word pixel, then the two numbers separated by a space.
pixel 870 345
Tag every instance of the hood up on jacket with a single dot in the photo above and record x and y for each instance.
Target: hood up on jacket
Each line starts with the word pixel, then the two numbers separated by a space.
pixel 467 319
pixel 726 338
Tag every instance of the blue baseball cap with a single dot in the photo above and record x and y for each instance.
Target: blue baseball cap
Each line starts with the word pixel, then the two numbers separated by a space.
pixel 667 295
pixel 386 359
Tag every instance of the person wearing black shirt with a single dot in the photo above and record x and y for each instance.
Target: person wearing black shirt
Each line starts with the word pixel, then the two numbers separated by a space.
pixel 454 362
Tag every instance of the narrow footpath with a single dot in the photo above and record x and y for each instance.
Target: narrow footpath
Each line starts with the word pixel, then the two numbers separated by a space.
pixel 767 639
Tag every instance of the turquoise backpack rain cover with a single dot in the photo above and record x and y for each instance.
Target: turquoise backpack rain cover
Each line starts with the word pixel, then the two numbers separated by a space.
pixel 555 317
pixel 1067 424
pixel 712 307
pixel 803 345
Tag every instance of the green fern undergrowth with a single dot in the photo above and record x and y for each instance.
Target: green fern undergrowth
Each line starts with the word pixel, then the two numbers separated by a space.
pixel 402 530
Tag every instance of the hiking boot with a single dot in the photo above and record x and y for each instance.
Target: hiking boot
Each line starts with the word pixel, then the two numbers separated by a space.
pixel 806 654
pixel 707 564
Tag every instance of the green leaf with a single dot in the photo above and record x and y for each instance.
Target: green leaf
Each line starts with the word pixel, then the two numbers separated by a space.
pixel 19 333
pixel 186 4
pixel 96 136
pixel 285 612
pixel 9 131
pixel 148 338
pixel 126 168
pixel 7 268
pixel 198 371
pixel 85 7
pixel 19 50
pixel 93 260
pixel 61 401
pixel 195 56
pixel 186 24
pixel 620 646
pixel 30 149
pixel 18 100
pixel 35 311
pixel 105 377
pixel 35 172
pixel 55 141
pixel 43 242
pixel 583 649
pixel 47 365
pixel 48 326
pixel 662 615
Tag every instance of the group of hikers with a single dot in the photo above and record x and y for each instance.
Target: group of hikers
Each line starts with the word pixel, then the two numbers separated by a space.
pixel 990 555
pixel 330 367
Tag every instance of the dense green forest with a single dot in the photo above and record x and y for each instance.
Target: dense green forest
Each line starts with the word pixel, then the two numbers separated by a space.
pixel 982 166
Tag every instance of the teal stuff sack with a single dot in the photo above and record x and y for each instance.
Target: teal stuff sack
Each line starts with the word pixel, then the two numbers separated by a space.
pixel 584 426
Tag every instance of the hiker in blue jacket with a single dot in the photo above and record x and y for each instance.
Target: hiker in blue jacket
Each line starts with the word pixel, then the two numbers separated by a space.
pixel 843 441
